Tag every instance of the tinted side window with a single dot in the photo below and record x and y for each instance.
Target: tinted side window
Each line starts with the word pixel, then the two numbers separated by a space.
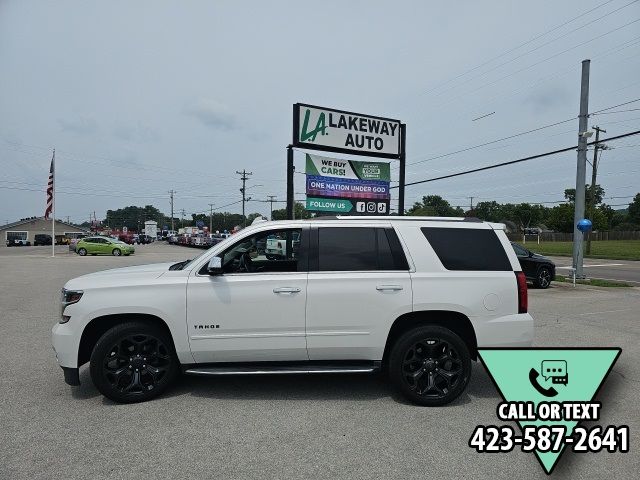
pixel 347 249
pixel 359 248
pixel 468 249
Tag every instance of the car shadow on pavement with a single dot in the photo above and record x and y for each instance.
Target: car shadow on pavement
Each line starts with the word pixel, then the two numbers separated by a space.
pixel 86 389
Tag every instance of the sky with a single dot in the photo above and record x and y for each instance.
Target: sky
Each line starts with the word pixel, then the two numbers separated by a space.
pixel 139 98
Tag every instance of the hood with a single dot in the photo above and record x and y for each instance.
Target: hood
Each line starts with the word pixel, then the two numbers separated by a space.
pixel 119 275
pixel 150 268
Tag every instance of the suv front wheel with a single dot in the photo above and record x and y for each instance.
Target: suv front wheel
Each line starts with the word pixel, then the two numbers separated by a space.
pixel 133 362
pixel 430 365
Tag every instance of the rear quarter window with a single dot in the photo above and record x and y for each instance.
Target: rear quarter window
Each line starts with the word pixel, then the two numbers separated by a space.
pixel 468 249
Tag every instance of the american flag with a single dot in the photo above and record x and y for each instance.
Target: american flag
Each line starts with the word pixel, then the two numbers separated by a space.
pixel 49 208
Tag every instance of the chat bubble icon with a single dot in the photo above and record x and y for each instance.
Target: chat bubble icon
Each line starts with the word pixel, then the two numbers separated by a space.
pixel 554 369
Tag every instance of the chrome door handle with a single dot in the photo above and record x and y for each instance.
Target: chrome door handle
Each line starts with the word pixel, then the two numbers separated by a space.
pixel 392 288
pixel 286 290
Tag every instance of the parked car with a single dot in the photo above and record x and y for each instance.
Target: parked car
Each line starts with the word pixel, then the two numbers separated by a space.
pixel 538 269
pixel 18 242
pixel 413 296
pixel 74 241
pixel 103 246
pixel 41 239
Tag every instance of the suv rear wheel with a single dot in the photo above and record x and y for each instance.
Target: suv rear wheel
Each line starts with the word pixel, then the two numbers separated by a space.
pixel 430 365
pixel 133 362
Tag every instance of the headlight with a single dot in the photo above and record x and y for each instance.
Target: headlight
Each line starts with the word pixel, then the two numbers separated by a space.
pixel 67 297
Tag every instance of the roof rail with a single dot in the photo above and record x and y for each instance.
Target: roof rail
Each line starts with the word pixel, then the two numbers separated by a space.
pixel 407 218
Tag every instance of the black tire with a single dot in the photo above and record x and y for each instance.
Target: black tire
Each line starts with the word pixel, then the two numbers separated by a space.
pixel 82 252
pixel 430 365
pixel 133 362
pixel 116 252
pixel 543 278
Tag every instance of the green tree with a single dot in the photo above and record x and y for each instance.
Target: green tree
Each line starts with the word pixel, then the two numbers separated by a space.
pixel 298 209
pixel 434 206
pixel 133 217
pixel 561 217
pixel 634 209
pixel 570 194
pixel 488 211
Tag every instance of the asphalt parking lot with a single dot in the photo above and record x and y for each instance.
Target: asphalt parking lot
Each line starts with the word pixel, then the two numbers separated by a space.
pixel 333 426
pixel 619 270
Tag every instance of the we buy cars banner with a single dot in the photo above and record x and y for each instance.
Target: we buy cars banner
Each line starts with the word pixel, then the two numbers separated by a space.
pixel 360 187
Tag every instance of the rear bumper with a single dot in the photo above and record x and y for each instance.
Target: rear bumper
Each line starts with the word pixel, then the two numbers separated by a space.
pixel 508 331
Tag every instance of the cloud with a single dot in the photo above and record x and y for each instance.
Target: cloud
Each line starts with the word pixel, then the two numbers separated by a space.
pixel 211 114
pixel 78 125
pixel 548 97
pixel 136 133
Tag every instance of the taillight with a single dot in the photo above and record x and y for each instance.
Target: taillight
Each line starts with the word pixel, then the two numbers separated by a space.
pixel 523 299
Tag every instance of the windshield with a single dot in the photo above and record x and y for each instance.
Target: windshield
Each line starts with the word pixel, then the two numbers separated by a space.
pixel 184 264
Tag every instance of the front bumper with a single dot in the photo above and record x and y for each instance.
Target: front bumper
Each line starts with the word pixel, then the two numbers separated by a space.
pixel 65 344
pixel 71 376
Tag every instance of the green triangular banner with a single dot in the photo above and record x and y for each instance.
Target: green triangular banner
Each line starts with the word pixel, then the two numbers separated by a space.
pixel 548 374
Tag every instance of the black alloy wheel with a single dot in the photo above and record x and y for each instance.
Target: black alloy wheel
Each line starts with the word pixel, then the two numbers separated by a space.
pixel 133 362
pixel 543 279
pixel 430 365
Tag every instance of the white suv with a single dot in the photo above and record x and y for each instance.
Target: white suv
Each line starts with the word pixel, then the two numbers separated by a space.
pixel 415 296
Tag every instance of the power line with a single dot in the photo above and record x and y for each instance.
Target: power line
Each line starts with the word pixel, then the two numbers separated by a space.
pixel 615 106
pixel 493 141
pixel 473 147
pixel 617 111
pixel 511 162
pixel 515 48
pixel 539 62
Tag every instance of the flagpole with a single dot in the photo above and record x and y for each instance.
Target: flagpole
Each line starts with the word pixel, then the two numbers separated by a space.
pixel 53 218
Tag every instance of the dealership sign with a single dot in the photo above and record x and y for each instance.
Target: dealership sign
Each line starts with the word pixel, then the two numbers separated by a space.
pixel 347 186
pixel 320 128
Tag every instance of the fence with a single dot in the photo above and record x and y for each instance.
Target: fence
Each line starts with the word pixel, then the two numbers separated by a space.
pixel 568 237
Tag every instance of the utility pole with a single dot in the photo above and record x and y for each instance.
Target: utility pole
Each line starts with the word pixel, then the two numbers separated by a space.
pixel 244 175
pixel 290 183
pixel 581 170
pixel 594 174
pixel 171 192
pixel 271 200
pixel 182 212
pixel 470 203
pixel 210 218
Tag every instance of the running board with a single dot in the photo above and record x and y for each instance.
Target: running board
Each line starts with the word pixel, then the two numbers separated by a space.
pixel 282 369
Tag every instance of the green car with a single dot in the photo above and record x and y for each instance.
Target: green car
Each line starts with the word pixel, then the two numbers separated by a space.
pixel 103 246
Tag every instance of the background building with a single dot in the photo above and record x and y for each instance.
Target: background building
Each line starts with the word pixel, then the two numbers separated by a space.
pixel 27 228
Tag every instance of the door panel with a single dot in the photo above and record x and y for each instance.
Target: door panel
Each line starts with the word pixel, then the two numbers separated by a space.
pixel 247 317
pixel 349 314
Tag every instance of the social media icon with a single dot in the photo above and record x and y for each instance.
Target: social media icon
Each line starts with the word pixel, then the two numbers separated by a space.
pixel 371 207
pixel 382 208
pixel 360 207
